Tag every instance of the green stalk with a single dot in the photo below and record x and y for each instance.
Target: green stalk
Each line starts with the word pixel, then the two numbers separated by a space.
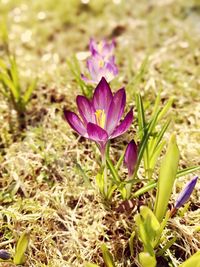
pixel 145 189
pixel 104 165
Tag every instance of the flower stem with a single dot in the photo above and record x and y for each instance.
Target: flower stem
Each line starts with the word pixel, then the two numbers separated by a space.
pixel 105 178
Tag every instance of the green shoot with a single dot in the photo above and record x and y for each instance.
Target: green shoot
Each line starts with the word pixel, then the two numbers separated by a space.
pixel 168 171
pixel 22 244
pixel 107 256
pixel 74 67
pixel 12 91
pixel 194 260
pixel 146 260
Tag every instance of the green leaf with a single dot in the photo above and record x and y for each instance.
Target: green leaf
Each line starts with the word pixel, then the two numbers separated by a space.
pixel 144 141
pixel 193 261
pixel 168 171
pixel 186 171
pixel 100 182
pixel 111 189
pixel 88 264
pixel 154 157
pixel 82 172
pixel 167 246
pixel 146 212
pixel 22 244
pixel 112 170
pixel 120 161
pixel 162 226
pixel 107 256
pixel 3 65
pixel 141 115
pixel 144 234
pixel 29 91
pixel 156 141
pixel 8 83
pixel 146 260
pixel 4 31
pixel 145 189
pixel 14 74
pixel 130 242
pixel 165 108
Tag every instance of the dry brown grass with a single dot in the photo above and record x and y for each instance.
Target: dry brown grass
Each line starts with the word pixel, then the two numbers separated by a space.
pixel 41 188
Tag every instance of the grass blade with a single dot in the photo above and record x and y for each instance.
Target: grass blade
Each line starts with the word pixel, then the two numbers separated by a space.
pixel 193 261
pixel 186 171
pixel 113 170
pixel 145 189
pixel 29 91
pixel 141 115
pixel 108 259
pixel 21 248
pixel 82 172
pixel 139 75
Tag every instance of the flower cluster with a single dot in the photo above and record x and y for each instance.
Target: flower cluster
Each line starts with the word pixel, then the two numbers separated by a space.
pixel 101 63
pixel 100 119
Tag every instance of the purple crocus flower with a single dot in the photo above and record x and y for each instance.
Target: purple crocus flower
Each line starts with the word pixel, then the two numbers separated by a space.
pixel 103 48
pixel 130 157
pixel 101 63
pixel 98 68
pixel 185 193
pixel 100 116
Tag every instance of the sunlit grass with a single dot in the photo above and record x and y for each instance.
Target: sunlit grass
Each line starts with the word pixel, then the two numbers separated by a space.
pixel 42 189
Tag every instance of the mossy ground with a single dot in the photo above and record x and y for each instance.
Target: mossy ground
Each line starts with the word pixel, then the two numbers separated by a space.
pixel 41 187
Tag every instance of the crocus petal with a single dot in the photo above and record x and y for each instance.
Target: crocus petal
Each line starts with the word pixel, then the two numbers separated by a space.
pixel 111 68
pixel 130 157
pixel 93 47
pixel 109 71
pixel 185 193
pixel 108 48
pixel 86 109
pixel 102 96
pixel 96 133
pixel 75 122
pixel 116 110
pixel 124 125
pixel 87 80
pixel 93 68
pixel 101 63
pixel 103 48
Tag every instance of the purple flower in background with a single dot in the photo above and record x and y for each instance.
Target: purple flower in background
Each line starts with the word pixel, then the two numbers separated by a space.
pixel 130 157
pixel 99 68
pixel 185 193
pixel 101 63
pixel 100 116
pixel 103 48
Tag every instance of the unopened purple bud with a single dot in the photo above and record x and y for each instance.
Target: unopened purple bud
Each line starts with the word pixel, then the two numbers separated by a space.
pixel 185 193
pixel 4 255
pixel 130 157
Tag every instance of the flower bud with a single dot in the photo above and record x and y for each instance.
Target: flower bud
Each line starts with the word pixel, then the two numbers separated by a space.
pixel 130 157
pixel 185 193
pixel 4 255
